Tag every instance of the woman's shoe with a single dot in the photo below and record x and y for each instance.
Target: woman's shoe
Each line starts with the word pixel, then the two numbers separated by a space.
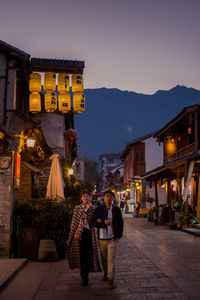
pixel 105 278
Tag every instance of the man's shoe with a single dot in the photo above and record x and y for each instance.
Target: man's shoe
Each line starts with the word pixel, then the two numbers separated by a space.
pixel 85 281
pixel 111 284
pixel 105 278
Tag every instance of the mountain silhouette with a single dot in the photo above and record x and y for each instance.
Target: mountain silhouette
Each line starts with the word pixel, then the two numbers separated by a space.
pixel 114 117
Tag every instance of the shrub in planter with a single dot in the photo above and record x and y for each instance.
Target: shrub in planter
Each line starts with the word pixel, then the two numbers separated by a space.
pixel 25 239
pixel 149 200
pixel 150 215
pixel 51 218
pixel 178 204
pixel 186 219
pixel 166 214
pixel 53 221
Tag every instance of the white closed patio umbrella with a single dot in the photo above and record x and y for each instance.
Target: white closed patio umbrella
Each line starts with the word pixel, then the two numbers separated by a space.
pixel 55 186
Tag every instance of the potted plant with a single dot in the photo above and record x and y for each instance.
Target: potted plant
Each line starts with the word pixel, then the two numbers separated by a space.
pixel 25 233
pixel 38 219
pixel 53 222
pixel 166 213
pixel 155 214
pixel 186 219
pixel 149 200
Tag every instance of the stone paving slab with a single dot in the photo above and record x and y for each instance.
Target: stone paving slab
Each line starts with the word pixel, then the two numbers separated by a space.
pixel 153 262
pixel 9 269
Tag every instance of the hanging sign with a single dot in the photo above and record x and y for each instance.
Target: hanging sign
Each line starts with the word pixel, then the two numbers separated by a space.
pixel 17 170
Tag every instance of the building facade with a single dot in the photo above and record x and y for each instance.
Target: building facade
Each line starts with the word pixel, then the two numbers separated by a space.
pixel 139 156
pixel 106 163
pixel 28 139
pixel 179 174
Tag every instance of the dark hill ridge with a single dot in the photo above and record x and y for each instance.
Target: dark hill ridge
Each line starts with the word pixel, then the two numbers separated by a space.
pixel 114 117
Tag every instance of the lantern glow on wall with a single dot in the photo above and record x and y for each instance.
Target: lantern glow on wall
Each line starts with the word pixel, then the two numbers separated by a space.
pixel 35 88
pixel 79 102
pixel 50 100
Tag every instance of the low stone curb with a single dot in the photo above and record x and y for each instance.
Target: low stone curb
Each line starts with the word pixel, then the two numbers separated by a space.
pixel 192 231
pixel 8 278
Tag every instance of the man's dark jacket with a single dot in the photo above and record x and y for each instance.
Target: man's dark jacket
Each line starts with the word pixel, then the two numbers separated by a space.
pixel 101 212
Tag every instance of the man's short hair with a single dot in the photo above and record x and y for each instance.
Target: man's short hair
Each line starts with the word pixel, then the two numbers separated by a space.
pixel 109 192
pixel 85 192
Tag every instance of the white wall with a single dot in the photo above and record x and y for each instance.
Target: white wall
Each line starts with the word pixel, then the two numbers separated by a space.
pixel 53 126
pixel 153 154
pixel 162 195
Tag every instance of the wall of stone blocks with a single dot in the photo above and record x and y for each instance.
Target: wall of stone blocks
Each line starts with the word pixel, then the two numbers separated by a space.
pixel 6 205
pixel 24 193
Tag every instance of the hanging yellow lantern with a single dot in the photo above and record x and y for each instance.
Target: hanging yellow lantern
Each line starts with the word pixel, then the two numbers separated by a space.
pixel 63 83
pixel 34 102
pixel 35 82
pixel 50 82
pixel 77 83
pixel 64 102
pixel 79 102
pixel 50 100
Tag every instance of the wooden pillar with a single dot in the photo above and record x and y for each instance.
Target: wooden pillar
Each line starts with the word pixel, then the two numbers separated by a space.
pixel 178 187
pixel 168 192
pixel 156 193
pixel 185 178
pixel 198 199
pixel 193 194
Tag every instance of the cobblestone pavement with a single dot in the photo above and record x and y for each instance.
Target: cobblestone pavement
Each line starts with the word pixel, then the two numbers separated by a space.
pixel 153 262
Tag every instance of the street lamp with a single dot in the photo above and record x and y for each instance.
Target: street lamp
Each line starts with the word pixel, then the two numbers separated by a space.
pixel 70 171
pixel 30 142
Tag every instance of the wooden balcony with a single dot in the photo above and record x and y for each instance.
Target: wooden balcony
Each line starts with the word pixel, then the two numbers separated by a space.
pixel 180 153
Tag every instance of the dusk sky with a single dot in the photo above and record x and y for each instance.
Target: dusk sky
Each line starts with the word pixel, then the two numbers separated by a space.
pixel 135 45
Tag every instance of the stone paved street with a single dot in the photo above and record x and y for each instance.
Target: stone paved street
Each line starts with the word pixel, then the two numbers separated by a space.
pixel 153 262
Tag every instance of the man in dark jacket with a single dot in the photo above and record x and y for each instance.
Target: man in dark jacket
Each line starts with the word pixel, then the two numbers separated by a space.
pixel 108 219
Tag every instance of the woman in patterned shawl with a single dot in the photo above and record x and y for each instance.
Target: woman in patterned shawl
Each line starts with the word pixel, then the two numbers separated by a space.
pixel 83 252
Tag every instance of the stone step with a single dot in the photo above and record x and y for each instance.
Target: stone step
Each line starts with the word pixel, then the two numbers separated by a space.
pixel 197 226
pixel 9 269
pixel 193 231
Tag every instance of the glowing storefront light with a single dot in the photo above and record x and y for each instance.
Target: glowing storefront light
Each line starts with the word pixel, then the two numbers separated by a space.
pixel 30 142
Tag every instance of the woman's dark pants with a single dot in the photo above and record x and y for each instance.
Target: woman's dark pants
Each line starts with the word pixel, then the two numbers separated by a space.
pixel 85 245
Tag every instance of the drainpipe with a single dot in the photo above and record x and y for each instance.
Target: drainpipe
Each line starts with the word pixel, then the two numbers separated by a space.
pixel 6 92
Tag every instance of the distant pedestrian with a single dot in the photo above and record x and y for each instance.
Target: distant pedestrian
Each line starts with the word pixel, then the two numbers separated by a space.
pixel 82 245
pixel 108 219
pixel 138 208
pixel 122 205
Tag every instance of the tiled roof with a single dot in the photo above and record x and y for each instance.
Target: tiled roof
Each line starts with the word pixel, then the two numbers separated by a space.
pixel 177 118
pixel 13 51
pixel 58 62
pixel 140 139
pixel 75 65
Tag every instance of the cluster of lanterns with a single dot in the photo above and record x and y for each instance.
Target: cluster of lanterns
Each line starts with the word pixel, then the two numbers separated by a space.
pixel 50 98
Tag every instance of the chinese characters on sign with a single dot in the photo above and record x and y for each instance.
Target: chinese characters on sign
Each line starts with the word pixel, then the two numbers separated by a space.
pixel 79 170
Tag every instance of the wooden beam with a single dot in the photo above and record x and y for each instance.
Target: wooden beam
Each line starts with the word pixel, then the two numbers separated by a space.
pixel 185 178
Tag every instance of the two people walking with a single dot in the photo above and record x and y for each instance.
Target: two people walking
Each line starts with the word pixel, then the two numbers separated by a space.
pixel 83 249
